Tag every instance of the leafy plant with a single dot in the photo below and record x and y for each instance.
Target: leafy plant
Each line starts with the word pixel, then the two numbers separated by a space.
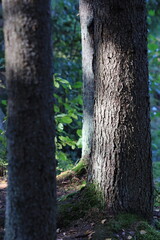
pixel 154 74
pixel 68 117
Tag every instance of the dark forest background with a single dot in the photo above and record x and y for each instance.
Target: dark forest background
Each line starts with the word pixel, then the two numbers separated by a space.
pixel 67 80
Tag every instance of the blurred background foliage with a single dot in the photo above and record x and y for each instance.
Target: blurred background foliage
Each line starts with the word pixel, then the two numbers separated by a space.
pixel 154 73
pixel 67 80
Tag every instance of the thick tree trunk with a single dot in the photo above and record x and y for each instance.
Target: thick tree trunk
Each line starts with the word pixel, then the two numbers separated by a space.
pixel 87 25
pixel 30 213
pixel 121 150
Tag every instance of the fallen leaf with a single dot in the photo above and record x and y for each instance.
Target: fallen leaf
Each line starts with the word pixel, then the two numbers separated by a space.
pixel 156 209
pixel 143 232
pixel 72 231
pixel 103 221
pixel 89 232
pixel 82 235
pixel 90 235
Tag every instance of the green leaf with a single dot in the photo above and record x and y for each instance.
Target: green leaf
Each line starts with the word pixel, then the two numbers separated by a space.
pixel 4 102
pixel 77 85
pixel 59 146
pixel 79 132
pixel 66 120
pixel 79 143
pixel 62 80
pixel 63 118
pixel 68 141
pixel 154 146
pixel 56 84
pixel 64 83
pixel 60 155
pixel 152 46
pixel 73 115
pixel 61 115
pixel 60 127
pixel 151 13
pixel 56 108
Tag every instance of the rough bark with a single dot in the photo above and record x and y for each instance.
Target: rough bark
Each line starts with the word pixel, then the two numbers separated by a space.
pixel 121 150
pixel 87 25
pixel 30 211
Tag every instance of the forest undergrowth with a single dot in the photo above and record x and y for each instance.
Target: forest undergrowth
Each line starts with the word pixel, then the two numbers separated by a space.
pixel 81 216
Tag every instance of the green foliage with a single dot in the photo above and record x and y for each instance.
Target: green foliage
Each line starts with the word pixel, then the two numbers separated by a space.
pixel 156 170
pixel 154 74
pixel 156 175
pixel 68 117
pixel 67 40
pixel 67 50
pixel 68 82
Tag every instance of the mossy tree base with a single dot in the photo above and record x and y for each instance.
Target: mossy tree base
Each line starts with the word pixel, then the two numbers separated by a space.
pixel 87 205
pixel 78 171
pixel 77 205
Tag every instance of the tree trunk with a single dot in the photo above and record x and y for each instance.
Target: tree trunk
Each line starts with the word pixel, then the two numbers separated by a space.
pixel 87 25
pixel 121 151
pixel 30 212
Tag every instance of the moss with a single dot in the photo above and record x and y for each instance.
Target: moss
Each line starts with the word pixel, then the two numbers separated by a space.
pixel 123 221
pixel 150 232
pixel 79 170
pixel 66 197
pixel 124 226
pixel 78 204
pixel 65 176
pixel 114 226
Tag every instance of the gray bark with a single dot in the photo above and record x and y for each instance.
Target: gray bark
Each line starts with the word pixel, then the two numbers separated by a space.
pixel 87 25
pixel 121 151
pixel 30 210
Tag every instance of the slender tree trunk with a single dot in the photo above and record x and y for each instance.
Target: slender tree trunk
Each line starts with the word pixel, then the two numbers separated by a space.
pixel 87 25
pixel 30 213
pixel 121 151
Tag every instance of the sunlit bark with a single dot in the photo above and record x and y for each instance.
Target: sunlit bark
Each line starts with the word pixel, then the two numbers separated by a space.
pixel 87 25
pixel 121 151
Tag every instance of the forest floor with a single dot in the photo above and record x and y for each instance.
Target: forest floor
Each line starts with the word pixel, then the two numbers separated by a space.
pixel 80 218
